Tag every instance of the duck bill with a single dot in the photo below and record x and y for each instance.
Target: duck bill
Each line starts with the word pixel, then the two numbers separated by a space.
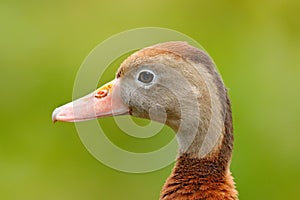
pixel 105 101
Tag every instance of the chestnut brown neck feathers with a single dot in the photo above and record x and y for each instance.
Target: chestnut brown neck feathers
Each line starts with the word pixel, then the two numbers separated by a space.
pixel 194 179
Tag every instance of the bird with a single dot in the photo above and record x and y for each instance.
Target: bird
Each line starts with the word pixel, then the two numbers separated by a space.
pixel 176 84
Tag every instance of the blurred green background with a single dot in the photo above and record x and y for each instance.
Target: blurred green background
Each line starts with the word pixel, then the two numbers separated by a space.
pixel 255 44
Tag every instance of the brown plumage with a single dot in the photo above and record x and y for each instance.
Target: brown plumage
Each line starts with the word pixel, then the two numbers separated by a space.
pixel 196 179
pixel 180 82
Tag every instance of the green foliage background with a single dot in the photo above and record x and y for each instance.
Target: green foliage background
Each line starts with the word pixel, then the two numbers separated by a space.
pixel 255 44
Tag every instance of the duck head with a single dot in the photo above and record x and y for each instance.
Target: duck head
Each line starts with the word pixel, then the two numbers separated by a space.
pixel 172 83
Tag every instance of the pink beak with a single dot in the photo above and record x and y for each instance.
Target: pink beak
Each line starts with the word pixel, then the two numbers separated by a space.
pixel 105 101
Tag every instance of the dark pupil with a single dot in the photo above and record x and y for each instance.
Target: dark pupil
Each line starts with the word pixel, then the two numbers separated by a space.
pixel 146 77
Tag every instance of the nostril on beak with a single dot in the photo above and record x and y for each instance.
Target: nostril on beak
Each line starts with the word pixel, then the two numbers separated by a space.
pixel 101 94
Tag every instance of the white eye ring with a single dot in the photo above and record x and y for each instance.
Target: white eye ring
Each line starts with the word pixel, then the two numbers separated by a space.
pixel 146 77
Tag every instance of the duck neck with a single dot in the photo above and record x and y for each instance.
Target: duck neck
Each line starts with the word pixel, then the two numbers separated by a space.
pixel 208 177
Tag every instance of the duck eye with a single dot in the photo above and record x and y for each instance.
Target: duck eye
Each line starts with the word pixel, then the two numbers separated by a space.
pixel 146 77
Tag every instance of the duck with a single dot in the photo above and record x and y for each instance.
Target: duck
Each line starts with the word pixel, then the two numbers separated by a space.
pixel 176 84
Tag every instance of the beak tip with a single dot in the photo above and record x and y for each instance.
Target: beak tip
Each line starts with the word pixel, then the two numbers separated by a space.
pixel 54 115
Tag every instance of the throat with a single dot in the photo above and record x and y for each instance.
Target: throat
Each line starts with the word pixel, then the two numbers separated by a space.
pixel 204 176
pixel 201 179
